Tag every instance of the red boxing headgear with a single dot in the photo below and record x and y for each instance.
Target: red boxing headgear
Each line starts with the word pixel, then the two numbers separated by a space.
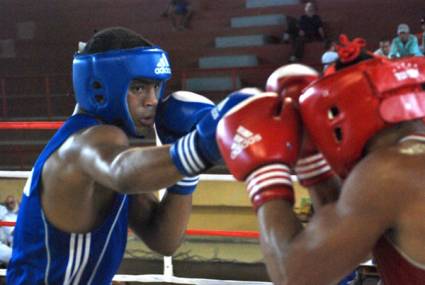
pixel 344 110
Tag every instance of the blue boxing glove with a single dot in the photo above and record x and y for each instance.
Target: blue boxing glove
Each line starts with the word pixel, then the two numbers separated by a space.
pixel 177 115
pixel 198 150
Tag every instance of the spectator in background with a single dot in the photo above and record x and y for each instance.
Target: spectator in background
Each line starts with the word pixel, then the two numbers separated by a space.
pixel 291 29
pixel 8 213
pixel 404 44
pixel 421 36
pixel 179 9
pixel 6 233
pixel 330 56
pixel 384 48
pixel 310 28
pixel 11 204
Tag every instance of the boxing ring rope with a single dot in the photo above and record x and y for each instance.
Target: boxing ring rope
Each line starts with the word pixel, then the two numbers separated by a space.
pixel 41 125
pixel 157 278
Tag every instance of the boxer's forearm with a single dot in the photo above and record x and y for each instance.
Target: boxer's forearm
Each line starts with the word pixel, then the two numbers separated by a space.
pixel 278 225
pixel 324 192
pixel 167 225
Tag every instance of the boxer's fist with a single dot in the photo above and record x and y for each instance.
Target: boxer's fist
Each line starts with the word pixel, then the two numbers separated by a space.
pixel 178 114
pixel 311 167
pixel 289 80
pixel 259 140
pixel 198 150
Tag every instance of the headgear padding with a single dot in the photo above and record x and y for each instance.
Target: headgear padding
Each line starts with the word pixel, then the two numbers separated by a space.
pixel 101 81
pixel 344 110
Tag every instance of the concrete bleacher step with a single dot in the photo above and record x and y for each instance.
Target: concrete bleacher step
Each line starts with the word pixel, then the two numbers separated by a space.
pixel 228 61
pixel 270 54
pixel 268 3
pixel 240 41
pixel 258 21
pixel 216 83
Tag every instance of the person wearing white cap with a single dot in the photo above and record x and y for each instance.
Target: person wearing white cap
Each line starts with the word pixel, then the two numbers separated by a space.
pixel 330 55
pixel 404 44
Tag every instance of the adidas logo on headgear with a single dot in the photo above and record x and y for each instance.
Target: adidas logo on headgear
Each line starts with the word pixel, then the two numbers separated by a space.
pixel 242 139
pixel 163 67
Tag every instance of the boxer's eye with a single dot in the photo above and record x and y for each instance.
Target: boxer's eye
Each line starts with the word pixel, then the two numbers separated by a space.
pixel 137 88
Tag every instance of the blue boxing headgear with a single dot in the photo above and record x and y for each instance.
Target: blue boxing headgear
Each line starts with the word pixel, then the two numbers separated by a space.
pixel 101 81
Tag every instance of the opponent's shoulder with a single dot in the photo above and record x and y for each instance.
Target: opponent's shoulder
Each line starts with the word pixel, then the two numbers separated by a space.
pixel 383 173
pixel 379 164
pixel 377 187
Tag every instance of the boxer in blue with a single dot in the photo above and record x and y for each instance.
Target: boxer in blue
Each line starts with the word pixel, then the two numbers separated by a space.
pixel 89 185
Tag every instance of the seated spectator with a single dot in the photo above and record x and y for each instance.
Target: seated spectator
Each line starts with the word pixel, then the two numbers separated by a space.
pixel 291 29
pixel 8 214
pixel 11 204
pixel 179 9
pixel 310 28
pixel 384 48
pixel 330 55
pixel 404 44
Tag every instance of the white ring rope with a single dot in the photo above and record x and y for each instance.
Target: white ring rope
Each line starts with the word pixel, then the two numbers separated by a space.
pixel 14 174
pixel 203 177
pixel 156 278
pixel 179 280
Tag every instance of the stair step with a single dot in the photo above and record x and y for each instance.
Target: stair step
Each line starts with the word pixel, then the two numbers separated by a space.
pixel 240 41
pixel 218 83
pixel 228 61
pixel 258 21
pixel 267 3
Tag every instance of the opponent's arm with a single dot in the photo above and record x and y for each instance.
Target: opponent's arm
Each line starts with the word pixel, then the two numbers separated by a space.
pixel 339 236
pixel 264 162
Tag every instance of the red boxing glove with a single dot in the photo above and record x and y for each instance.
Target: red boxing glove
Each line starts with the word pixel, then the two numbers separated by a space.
pixel 289 81
pixel 259 140
pixel 311 167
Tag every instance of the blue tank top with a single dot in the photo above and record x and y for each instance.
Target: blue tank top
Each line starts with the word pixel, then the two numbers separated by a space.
pixel 43 254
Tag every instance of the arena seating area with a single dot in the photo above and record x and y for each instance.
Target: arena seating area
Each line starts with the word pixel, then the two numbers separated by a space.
pixel 230 44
